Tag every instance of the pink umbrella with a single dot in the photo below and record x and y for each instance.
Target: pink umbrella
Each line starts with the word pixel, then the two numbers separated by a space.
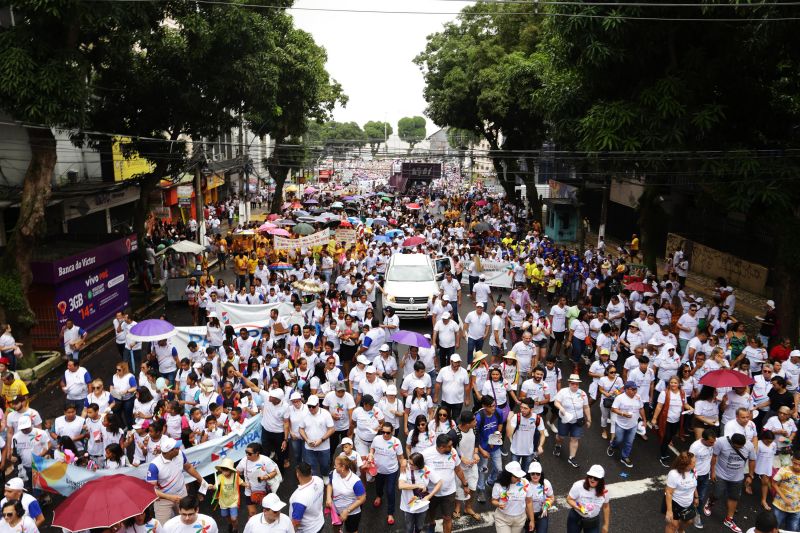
pixel 273 216
pixel 266 226
pixel 481 203
pixel 279 231
pixel 414 241
pixel 310 190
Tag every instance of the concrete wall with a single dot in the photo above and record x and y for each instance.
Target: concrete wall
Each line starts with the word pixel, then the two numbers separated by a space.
pixel 712 263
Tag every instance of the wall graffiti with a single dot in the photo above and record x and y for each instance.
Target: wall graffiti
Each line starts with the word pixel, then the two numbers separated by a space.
pixel 713 263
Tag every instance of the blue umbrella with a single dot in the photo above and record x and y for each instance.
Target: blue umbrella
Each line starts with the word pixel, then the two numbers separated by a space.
pixel 382 238
pixel 380 221
pixel 394 232
pixel 354 220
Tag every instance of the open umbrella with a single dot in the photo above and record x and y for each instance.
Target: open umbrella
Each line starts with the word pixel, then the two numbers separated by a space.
pixel 266 226
pixel 273 216
pixel 310 201
pixel 345 224
pixel 394 233
pixel 380 221
pixel 281 266
pixel 386 199
pixel 301 213
pixel 337 205
pixel 308 285
pixel 310 190
pixel 291 188
pixel 151 330
pixel 725 377
pixel 354 220
pixel 285 222
pixel 104 502
pixel 639 286
pixel 411 338
pixel 382 238
pixel 414 241
pixel 348 198
pixel 303 229
pixel 482 226
pixel 412 206
pixel 308 220
pixel 481 203
pixel 296 205
pixel 279 231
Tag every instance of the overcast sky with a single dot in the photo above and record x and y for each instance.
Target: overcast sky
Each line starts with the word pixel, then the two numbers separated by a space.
pixel 371 54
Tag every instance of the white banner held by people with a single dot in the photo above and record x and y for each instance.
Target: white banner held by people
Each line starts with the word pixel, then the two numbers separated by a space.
pixel 319 238
pixel 498 273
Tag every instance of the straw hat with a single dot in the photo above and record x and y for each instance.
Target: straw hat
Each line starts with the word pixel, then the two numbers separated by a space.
pixel 479 356
pixel 226 464
pixel 510 355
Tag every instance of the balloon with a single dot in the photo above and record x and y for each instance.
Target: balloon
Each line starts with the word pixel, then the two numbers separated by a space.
pixel 161 384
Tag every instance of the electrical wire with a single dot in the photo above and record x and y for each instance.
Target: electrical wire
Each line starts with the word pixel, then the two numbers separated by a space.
pixel 544 13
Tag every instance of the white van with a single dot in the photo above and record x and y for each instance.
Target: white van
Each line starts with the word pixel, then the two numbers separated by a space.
pixel 410 281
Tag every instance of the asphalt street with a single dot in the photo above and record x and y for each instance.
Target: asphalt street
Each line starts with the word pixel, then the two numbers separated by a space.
pixel 636 492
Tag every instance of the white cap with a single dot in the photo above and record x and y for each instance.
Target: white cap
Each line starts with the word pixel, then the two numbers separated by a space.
pixel 312 401
pixel 794 353
pixel 445 315
pixel 384 348
pixel 370 370
pixel 455 357
pixel 362 359
pixel 445 297
pixel 167 444
pixel 371 277
pixel 15 483
pixel 596 471
pixel 479 304
pixel 771 304
pixel 276 393
pixel 391 389
pixel 24 423
pixel 347 440
pixel 515 469
pixel 272 502
pixel 295 396
pixel 535 468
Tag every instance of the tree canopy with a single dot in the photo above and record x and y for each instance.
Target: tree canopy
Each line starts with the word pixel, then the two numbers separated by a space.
pixel 411 130
pixel 377 132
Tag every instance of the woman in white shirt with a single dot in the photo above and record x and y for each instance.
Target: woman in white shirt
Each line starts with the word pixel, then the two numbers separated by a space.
pixel 367 419
pixel 386 453
pixel 681 496
pixel 97 395
pixel 346 494
pixel 418 485
pixel 500 390
pixel 418 403
pixel 214 333
pixel 609 386
pixel 706 411
pixel 420 438
pixel 144 405
pixel 667 416
pixel 588 499
pixel 512 498
pixel 15 520
pixel 542 496
pixel 392 407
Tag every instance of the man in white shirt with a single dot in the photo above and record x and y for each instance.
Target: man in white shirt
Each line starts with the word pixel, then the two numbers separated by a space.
pixel 452 387
pixel 525 351
pixel 271 520
pixel 497 333
pixel 306 502
pixel 703 450
pixel 452 288
pixel 316 430
pixel 687 324
pixel 447 465
pixel 482 292
pixel 447 338
pixel 629 409
pixel 476 328
pixel 558 325
pixel 190 520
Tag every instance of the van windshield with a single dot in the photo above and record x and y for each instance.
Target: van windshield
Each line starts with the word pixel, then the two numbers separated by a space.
pixel 410 273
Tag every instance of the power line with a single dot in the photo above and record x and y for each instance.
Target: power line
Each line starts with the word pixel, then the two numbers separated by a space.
pixel 478 14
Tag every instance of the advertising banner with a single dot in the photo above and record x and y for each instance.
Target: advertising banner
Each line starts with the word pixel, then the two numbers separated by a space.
pixel 54 272
pixel 497 273
pixel 185 193
pixel 92 297
pixel 319 238
pixel 55 476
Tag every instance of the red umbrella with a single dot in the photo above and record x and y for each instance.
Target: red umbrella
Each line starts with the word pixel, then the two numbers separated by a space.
pixel 393 221
pixel 103 502
pixel 726 378
pixel 412 206
pixel 413 241
pixel 639 286
pixel 481 203
pixel 345 224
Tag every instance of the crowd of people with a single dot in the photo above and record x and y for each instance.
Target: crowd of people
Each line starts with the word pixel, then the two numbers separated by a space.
pixel 343 406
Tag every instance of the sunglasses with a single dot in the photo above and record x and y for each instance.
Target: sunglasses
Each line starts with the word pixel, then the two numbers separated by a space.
pixel 97 388
pixel 9 515
pixel 250 453
pixel 442 414
pixel 386 432
pixel 592 478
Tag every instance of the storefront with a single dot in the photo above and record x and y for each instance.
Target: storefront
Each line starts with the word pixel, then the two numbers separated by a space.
pixel 86 283
pixel 178 198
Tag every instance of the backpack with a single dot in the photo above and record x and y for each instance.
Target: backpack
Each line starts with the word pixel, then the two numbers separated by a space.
pixel 480 416
pixel 536 432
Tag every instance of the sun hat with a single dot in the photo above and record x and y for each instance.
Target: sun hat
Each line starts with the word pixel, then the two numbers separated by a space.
pixel 226 464
pixel 574 378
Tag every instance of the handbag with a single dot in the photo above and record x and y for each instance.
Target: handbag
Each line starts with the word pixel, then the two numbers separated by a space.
pixel 256 496
pixel 608 401
pixel 275 482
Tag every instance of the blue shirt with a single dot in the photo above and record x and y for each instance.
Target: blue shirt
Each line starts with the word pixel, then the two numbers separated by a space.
pixel 486 425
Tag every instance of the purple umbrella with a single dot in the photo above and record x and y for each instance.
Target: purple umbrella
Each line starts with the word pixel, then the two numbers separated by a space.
pixel 411 338
pixel 152 330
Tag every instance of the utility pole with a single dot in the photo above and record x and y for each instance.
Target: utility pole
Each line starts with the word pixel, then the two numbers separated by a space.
pixel 606 190
pixel 198 202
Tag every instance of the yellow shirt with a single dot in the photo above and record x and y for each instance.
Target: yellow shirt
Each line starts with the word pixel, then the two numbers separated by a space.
pixel 16 388
pixel 252 264
pixel 228 491
pixel 241 265
pixel 635 244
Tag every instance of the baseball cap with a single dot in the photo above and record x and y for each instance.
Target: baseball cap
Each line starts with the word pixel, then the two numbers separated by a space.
pixel 631 385
pixel 24 423
pixel 384 348
pixel 339 385
pixel 596 471
pixel 770 304
pixel 482 278
pixel 515 469
pixel 362 359
pixel 295 396
pixel 445 315
pixel 4 361
pixel 370 369
pixel 535 468
pixel 391 389
pixel 312 401
pixel 479 304
pixel 272 502
pixel 604 351
pixel 794 353
pixel 455 357
pixel 276 393
pixel 347 440
pixel 167 444
pixel 15 483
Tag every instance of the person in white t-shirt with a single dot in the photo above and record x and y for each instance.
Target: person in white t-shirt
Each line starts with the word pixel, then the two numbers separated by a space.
pixel 316 430
pixel 629 409
pixel 306 501
pixel 271 520
pixel 190 520
pixel 452 387
pixel 681 494
pixel 386 453
pixel 476 329
pixel 558 324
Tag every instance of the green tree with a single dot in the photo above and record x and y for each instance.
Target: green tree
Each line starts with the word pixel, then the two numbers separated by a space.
pixel 411 130
pixel 461 139
pixel 480 76
pixel 47 58
pixel 377 132
pixel 704 109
